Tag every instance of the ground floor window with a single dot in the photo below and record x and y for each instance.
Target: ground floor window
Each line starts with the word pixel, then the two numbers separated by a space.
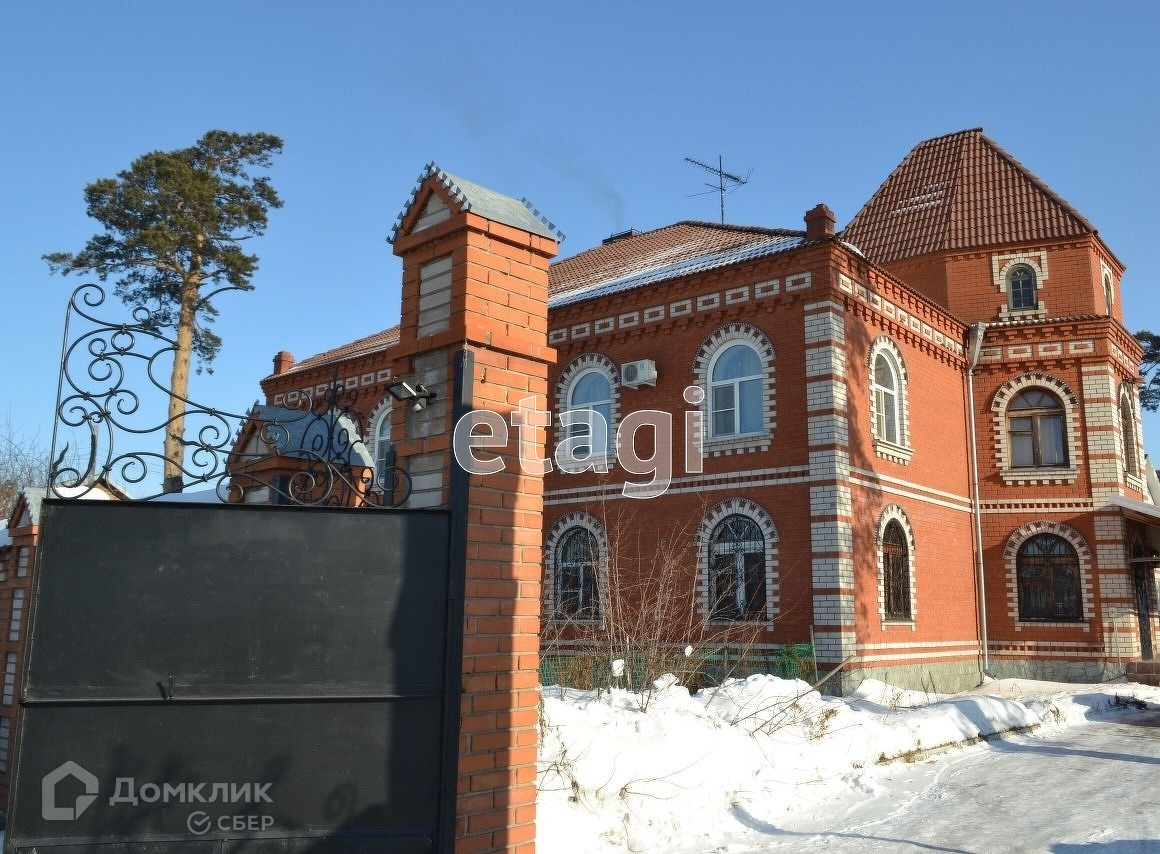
pixel 1047 567
pixel 737 569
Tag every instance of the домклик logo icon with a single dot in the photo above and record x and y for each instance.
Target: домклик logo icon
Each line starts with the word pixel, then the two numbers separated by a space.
pixel 49 810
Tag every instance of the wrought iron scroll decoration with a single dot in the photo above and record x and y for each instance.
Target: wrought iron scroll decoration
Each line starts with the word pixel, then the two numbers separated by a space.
pixel 310 452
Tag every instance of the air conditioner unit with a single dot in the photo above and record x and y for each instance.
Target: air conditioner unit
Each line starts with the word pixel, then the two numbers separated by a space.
pixel 638 373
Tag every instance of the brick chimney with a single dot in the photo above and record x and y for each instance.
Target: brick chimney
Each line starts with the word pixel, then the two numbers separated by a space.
pixel 283 362
pixel 820 223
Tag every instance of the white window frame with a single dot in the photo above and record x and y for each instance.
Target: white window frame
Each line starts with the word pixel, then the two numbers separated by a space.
pixel 379 420
pixel 717 343
pixel 734 385
pixel 896 448
pixel 599 460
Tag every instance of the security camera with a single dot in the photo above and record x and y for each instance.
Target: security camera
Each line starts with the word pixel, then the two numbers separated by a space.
pixel 420 404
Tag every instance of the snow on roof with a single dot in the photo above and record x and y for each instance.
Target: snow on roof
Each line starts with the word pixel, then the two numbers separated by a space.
pixel 693 248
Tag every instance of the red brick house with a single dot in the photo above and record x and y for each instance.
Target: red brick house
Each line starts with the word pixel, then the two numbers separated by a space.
pixel 914 441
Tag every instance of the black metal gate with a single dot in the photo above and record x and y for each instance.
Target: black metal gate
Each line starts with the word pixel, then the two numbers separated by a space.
pixel 238 678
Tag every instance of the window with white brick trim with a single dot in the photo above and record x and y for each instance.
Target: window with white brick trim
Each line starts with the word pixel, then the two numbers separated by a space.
pixel 379 442
pixel 889 401
pixel 589 383
pixel 1129 434
pixel 1037 430
pixel 735 368
pixel 1049 576
pixel 897 588
pixel 1021 278
pixel 576 555
pixel 737 546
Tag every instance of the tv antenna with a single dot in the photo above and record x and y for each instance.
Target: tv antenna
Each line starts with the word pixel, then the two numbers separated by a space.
pixel 726 181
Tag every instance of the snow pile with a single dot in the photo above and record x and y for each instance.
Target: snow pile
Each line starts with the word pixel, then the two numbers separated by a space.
pixel 669 771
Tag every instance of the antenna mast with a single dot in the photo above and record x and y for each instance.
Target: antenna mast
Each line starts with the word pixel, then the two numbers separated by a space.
pixel 725 180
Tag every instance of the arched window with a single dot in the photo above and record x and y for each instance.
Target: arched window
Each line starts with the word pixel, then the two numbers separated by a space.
pixel 384 454
pixel 895 572
pixel 591 391
pixel 1047 568
pixel 587 395
pixel 887 423
pixel 1021 286
pixel 735 389
pixel 1128 430
pixel 737 570
pixel 1109 293
pixel 1036 429
pixel 577 559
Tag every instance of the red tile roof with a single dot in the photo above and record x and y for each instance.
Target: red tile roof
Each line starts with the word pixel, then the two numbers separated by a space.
pixel 959 191
pixel 363 346
pixel 665 253
pixel 634 260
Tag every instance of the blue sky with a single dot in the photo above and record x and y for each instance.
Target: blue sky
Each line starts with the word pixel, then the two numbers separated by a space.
pixel 586 109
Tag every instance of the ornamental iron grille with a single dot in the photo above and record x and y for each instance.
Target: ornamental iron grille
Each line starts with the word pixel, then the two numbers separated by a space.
pixel 1048 570
pixel 577 557
pixel 737 569
pixel 310 452
pixel 896 572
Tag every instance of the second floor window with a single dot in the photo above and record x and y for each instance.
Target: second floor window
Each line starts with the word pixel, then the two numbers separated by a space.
pixel 736 381
pixel 1021 286
pixel 886 420
pixel 591 391
pixel 1036 430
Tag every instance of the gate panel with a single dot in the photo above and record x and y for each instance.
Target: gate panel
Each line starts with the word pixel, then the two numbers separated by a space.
pixel 298 649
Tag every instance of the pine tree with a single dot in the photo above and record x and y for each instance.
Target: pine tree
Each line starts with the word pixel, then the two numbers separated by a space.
pixel 174 225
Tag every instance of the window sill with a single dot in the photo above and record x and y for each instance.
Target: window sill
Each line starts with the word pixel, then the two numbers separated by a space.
pixel 899 624
pixel 1039 476
pixel 597 463
pixel 1022 623
pixel 1008 313
pixel 742 444
pixel 725 621
pixel 566 620
pixel 890 451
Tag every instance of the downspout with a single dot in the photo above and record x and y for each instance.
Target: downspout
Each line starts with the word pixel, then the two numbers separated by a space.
pixel 975 334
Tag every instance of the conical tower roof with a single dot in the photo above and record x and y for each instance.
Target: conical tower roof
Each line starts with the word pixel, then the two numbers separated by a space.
pixel 959 192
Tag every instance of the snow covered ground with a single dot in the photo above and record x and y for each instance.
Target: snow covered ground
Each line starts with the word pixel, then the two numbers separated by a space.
pixel 737 768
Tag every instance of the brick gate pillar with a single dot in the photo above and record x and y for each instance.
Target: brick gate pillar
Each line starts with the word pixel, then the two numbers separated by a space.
pixel 475 279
